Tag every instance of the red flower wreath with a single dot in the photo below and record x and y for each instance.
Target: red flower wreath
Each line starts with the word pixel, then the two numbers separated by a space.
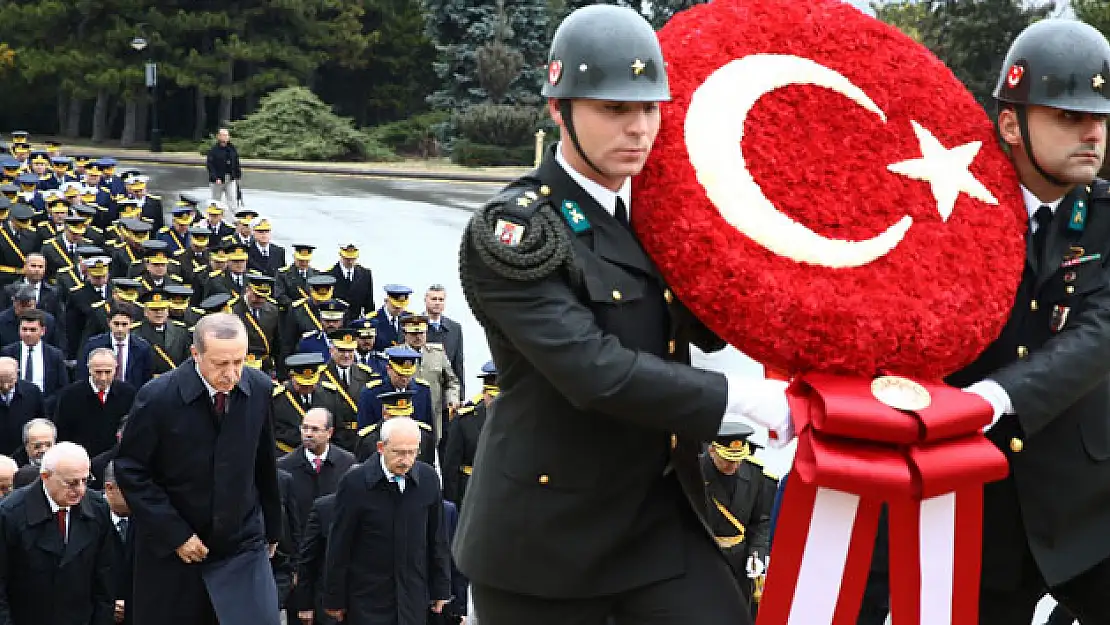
pixel 896 221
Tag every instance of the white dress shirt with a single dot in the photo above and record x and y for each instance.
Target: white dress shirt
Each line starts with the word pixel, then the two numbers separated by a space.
pixel 400 479
pixel 54 507
pixel 603 196
pixel 38 376
pixel 312 457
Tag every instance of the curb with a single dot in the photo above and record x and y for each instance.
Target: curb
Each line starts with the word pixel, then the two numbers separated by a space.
pixel 317 168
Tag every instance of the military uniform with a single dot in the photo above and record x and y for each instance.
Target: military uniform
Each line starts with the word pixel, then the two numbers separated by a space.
pixel 263 330
pixel 395 404
pixel 460 449
pixel 346 418
pixel 288 405
pixel 388 327
pixel 292 284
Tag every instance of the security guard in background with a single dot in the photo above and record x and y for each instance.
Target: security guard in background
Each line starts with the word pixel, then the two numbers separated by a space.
pixel 303 391
pixel 1047 375
pixel 462 437
pixel 740 502
pixel 395 404
pixel 592 348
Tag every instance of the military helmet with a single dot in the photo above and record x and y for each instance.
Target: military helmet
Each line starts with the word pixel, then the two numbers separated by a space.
pixel 606 52
pixel 1061 63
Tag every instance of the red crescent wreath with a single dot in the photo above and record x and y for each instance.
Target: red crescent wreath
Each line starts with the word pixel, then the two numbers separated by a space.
pixel 829 185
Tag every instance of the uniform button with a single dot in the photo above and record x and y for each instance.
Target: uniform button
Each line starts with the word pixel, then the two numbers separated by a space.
pixel 1069 289
pixel 544 479
pixel 670 347
pixel 1033 305
pixel 667 295
pixel 1022 351
pixel 617 295
pixel 545 190
pixel 1016 445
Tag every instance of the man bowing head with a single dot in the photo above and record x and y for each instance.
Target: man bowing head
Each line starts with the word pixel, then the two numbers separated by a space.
pixel 197 466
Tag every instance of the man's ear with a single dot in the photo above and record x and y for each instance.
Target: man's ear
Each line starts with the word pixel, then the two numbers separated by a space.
pixel 553 111
pixel 1008 127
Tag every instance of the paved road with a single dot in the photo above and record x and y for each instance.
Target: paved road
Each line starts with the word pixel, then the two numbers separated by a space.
pixel 408 232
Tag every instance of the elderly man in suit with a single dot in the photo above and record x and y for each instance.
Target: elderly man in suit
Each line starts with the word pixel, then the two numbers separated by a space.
pixel 134 357
pixel 91 409
pixel 39 436
pixel 39 363
pixel 387 558
pixel 315 465
pixel 56 553
pixel 20 402
pixel 196 464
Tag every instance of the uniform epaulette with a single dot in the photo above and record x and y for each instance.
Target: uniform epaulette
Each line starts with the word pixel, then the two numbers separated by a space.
pixel 465 410
pixel 155 197
pixel 367 430
pixel 214 273
pixel 365 367
pixel 199 311
pixel 308 334
pixel 421 381
pixel 284 269
pixel 329 386
pixel 177 322
pixel 298 302
pixel 373 383
pixel 136 324
pixel 521 201
pixel 424 425
pixel 100 303
pixel 163 229
pixel 278 388
pixel 176 262
pixel 76 287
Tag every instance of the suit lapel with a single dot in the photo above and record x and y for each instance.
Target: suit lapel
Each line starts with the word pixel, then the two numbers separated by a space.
pixel 1057 242
pixel 38 514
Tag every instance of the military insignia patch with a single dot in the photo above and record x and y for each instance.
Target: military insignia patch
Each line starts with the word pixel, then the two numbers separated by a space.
pixel 554 72
pixel 575 217
pixel 1078 219
pixel 1014 76
pixel 508 232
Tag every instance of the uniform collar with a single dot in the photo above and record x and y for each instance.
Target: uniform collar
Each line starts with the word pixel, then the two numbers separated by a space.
pixel 1032 203
pixel 605 197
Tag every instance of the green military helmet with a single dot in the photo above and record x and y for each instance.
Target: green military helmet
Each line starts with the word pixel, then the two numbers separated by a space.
pixel 1059 63
pixel 606 52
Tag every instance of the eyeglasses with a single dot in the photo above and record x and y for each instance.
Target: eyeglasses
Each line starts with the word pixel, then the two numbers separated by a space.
pixel 41 445
pixel 312 429
pixel 75 483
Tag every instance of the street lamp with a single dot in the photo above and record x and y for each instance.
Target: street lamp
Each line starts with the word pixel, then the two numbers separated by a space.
pixel 138 44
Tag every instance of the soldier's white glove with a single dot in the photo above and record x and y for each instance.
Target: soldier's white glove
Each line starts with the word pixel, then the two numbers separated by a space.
pixel 755 567
pixel 764 402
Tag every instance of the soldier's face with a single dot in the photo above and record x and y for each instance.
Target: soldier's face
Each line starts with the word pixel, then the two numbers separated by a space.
pixel 1070 146
pixel 398 380
pixel 158 270
pixel 616 136
pixel 343 357
pixel 726 467
pixel 331 324
pixel 365 345
pixel 416 340
pixel 262 236
pixel 157 316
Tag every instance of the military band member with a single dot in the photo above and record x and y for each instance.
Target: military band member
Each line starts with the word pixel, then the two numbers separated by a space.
pixel 387 319
pixel 302 392
pixel 740 503
pixel 292 281
pixel 169 340
pixel 260 315
pixel 390 405
pixel 349 379
pixel 400 376
pixel 462 438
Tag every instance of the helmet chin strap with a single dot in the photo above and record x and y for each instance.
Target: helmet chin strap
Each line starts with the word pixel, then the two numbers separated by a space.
pixel 565 110
pixel 1023 124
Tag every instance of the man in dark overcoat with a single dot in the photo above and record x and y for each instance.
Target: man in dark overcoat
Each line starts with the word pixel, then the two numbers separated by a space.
pixel 196 464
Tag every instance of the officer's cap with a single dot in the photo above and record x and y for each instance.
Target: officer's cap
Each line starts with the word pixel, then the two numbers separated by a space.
pixel 262 225
pixel 215 207
pixel 397 403
pixel 106 162
pixel 39 156
pixel 156 252
pixel 261 284
pixel 215 303
pixel 333 310
pixel 138 182
pixel 155 300
pixel 9 162
pixel 302 251
pixel 61 161
pixel 348 251
pixel 188 199
pixel 89 251
pixel 403 359
pixel 344 338
pixel 200 232
pixel 414 324
pixel 237 251
pixel 22 212
pixel 305 367
pixel 76 223
pixel 731 442
pixel 126 288
pixel 246 215
pixel 20 136
pixel 27 179
pixel 84 210
pixel 178 293
pixel 137 226
pixel 321 281
pixel 364 328
pixel 489 378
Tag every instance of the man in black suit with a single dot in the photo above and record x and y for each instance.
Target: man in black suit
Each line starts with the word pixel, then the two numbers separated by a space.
pixel 47 297
pixel 308 595
pixel 123 541
pixel 445 331
pixel 23 299
pixel 134 357
pixel 205 495
pixel 56 566
pixel 265 257
pixel 354 284
pixel 39 363
pixel 387 549
pixel 316 465
pixel 90 410
pixel 600 348
pixel 1046 375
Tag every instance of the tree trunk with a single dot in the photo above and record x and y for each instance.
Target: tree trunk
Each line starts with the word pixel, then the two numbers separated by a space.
pixel 202 115
pixel 100 116
pixel 73 118
pixel 142 121
pixel 226 99
pixel 113 116
pixel 127 137
pixel 63 110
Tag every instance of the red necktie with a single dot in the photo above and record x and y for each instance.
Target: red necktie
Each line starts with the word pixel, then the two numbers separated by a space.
pixel 317 463
pixel 61 516
pixel 119 361
pixel 100 394
pixel 221 403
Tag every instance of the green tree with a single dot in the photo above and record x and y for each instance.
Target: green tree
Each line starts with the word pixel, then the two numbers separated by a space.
pixel 1094 12
pixel 908 16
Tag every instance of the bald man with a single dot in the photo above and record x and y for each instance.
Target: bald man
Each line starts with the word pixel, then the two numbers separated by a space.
pixel 20 401
pixel 57 543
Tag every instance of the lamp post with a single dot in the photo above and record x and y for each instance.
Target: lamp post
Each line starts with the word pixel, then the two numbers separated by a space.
pixel 139 43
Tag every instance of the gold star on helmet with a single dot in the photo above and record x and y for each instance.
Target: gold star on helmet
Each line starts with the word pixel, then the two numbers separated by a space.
pixel 638 67
pixel 1097 81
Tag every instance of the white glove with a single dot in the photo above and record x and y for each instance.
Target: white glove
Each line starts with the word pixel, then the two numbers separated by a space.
pixel 755 567
pixel 993 393
pixel 764 402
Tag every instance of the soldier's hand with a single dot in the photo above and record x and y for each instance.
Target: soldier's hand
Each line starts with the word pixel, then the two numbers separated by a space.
pixel 305 617
pixel 336 614
pixel 193 550
pixel 439 604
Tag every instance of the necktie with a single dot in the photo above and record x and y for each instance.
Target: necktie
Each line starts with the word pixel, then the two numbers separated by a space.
pixel 220 401
pixel 1043 217
pixel 397 479
pixel 343 377
pixel 304 275
pixel 350 275
pixel 122 527
pixel 238 281
pixel 306 401
pixel 316 463
pixel 29 365
pixel 60 515
pixel 265 253
pixel 119 361
pixel 101 396
pixel 621 214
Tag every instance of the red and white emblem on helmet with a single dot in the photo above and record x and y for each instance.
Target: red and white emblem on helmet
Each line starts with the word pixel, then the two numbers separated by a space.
pixel 554 72
pixel 1013 77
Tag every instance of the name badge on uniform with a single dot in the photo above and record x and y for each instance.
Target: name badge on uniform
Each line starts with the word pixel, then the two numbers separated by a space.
pixel 509 232
pixel 1059 317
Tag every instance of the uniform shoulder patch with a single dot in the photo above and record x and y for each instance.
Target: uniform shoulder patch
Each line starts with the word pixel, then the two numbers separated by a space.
pixel 329 386
pixel 367 430
pixel 421 381
pixel 373 383
pixel 365 367
pixel 278 388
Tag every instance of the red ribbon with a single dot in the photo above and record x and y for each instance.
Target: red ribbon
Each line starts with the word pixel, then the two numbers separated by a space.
pixel 851 443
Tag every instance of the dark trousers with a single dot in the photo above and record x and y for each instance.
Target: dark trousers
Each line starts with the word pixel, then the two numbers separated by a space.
pixel 705 595
pixel 1086 597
